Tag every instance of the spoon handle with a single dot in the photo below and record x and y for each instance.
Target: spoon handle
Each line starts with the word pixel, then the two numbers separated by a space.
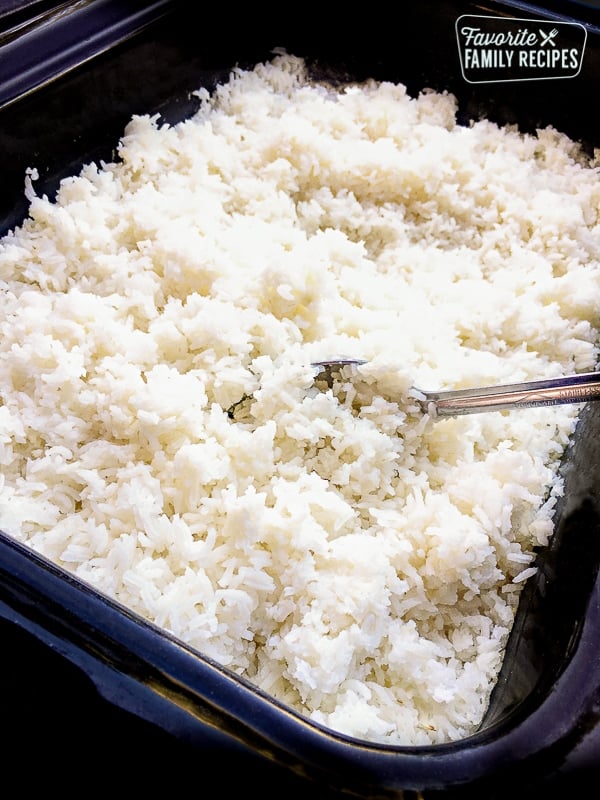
pixel 546 392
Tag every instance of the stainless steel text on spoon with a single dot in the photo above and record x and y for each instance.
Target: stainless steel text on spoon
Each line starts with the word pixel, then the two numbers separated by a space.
pixel 577 388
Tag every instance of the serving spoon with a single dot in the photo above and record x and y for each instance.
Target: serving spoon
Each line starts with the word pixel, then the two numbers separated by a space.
pixel 577 388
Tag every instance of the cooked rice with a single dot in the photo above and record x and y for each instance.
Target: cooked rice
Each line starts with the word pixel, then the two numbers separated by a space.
pixel 160 433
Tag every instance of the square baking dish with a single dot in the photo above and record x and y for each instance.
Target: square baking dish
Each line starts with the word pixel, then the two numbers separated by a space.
pixel 72 76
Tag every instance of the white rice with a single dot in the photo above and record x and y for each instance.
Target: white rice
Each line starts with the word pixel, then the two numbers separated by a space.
pixel 160 433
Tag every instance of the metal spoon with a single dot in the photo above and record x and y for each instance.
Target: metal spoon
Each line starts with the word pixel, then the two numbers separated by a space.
pixel 453 402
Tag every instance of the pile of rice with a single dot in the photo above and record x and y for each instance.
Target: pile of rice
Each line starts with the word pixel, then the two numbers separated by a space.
pixel 161 435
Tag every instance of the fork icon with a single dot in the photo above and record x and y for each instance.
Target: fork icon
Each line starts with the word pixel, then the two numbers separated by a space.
pixel 547 38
